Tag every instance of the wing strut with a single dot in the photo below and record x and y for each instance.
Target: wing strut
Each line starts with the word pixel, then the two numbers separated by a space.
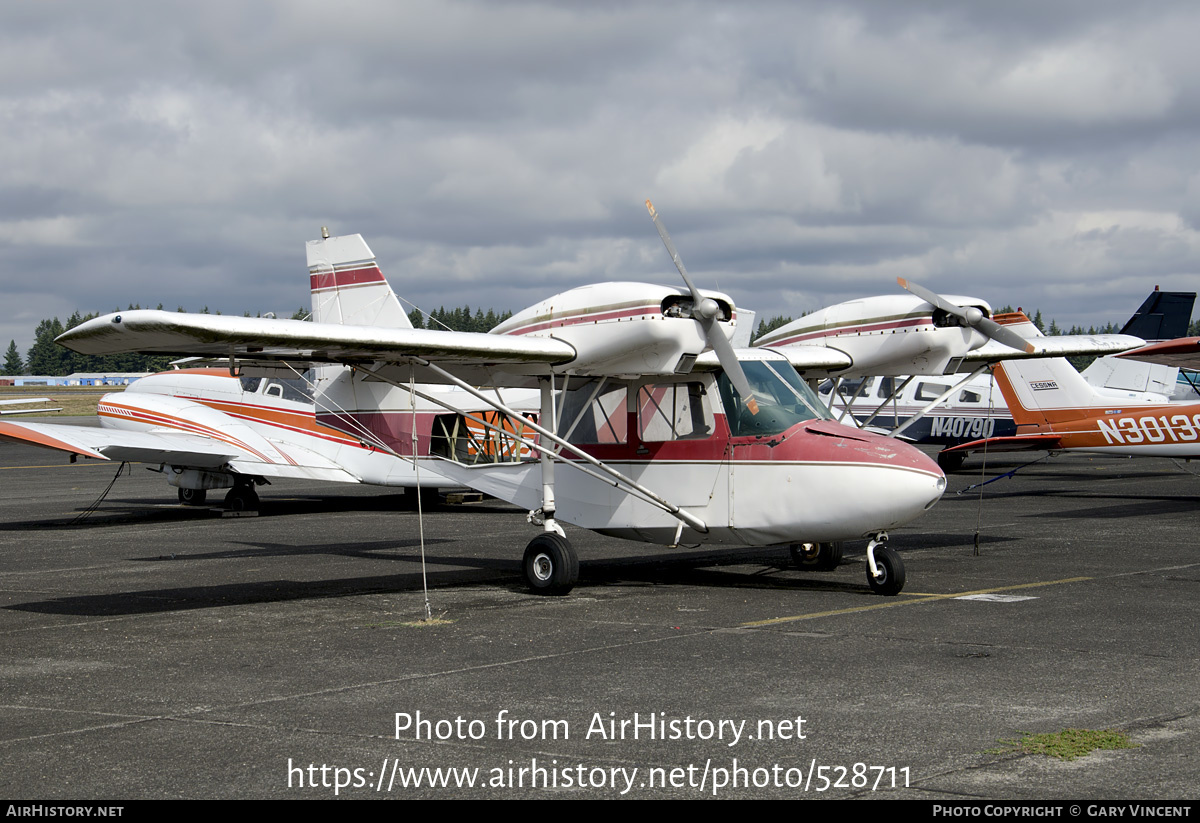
pixel 614 475
pixel 941 397
pixel 891 399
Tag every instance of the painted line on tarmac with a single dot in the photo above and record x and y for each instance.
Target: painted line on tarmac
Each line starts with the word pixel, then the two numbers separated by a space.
pixel 916 598
pixel 88 465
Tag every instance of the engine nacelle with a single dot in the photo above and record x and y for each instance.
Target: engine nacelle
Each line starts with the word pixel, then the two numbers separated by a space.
pixel 887 335
pixel 623 328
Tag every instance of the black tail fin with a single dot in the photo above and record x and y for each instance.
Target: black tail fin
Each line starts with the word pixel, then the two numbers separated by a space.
pixel 1164 315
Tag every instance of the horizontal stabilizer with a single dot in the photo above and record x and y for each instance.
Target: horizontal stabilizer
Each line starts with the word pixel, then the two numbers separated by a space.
pixel 1016 443
pixel 1182 353
pixel 136 447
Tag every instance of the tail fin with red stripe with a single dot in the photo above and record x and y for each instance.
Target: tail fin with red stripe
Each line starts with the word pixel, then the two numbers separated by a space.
pixel 348 286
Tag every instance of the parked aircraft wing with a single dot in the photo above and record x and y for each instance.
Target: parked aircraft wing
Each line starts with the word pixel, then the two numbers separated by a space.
pixel 1015 443
pixel 810 361
pixel 175 448
pixel 1183 353
pixel 1067 345
pixel 161 332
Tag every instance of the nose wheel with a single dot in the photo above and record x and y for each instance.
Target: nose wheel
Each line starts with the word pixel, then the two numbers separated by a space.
pixel 887 578
pixel 550 565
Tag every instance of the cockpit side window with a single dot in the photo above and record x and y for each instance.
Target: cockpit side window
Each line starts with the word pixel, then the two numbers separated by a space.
pixel 594 412
pixel 288 388
pixel 673 411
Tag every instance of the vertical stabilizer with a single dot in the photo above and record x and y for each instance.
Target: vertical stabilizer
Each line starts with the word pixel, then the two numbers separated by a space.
pixel 1046 391
pixel 348 287
pixel 1164 315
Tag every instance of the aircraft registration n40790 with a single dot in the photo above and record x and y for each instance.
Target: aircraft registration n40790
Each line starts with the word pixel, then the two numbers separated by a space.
pixel 651 426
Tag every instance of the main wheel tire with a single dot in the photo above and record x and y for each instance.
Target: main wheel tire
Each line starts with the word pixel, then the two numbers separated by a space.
pixel 821 557
pixel 951 462
pixel 891 572
pixel 192 497
pixel 242 499
pixel 550 565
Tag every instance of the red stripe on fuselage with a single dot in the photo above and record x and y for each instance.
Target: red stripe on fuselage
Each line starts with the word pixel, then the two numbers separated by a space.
pixel 860 328
pixel 594 317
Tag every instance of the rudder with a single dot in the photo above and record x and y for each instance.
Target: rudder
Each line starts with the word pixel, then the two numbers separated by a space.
pixel 348 287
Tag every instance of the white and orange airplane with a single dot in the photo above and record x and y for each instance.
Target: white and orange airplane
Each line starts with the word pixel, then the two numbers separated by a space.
pixel 1055 408
pixel 213 428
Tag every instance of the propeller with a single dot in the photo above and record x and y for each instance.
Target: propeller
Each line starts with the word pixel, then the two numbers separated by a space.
pixel 970 316
pixel 705 311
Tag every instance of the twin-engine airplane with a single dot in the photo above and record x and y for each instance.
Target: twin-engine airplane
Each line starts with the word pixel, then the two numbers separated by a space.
pixel 650 425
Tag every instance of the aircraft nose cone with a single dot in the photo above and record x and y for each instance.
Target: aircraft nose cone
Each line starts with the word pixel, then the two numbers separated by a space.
pixel 888 482
pixel 908 484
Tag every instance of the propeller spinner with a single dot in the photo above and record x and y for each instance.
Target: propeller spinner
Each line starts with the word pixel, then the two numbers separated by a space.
pixel 970 316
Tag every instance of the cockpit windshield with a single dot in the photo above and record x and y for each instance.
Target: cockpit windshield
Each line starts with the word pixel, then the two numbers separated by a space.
pixel 783 399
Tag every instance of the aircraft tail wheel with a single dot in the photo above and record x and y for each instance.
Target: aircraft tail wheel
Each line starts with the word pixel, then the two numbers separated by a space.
pixel 550 565
pixel 192 497
pixel 891 572
pixel 821 557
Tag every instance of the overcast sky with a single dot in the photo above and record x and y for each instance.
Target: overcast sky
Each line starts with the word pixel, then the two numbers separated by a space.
pixel 1033 153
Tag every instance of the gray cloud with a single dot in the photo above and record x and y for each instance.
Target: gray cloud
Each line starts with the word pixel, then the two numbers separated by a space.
pixel 494 153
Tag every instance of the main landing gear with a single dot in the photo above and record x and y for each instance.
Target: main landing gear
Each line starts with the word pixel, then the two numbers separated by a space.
pixel 242 497
pixel 550 565
pixel 192 497
pixel 817 557
pixel 951 462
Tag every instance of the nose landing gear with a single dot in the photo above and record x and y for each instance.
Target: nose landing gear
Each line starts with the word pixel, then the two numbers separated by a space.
pixel 885 569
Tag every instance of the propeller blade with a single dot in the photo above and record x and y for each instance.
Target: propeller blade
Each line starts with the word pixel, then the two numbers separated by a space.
pixel 733 369
pixel 933 298
pixel 675 258
pixel 1005 335
pixel 705 311
pixel 970 316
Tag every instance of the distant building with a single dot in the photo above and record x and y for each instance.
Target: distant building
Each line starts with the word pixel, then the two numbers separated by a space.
pixel 77 379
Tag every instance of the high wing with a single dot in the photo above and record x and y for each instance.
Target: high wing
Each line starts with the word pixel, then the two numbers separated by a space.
pixel 174 333
pixel 1069 345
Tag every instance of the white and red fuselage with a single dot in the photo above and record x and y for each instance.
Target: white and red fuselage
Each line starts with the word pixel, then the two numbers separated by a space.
pixel 787 474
